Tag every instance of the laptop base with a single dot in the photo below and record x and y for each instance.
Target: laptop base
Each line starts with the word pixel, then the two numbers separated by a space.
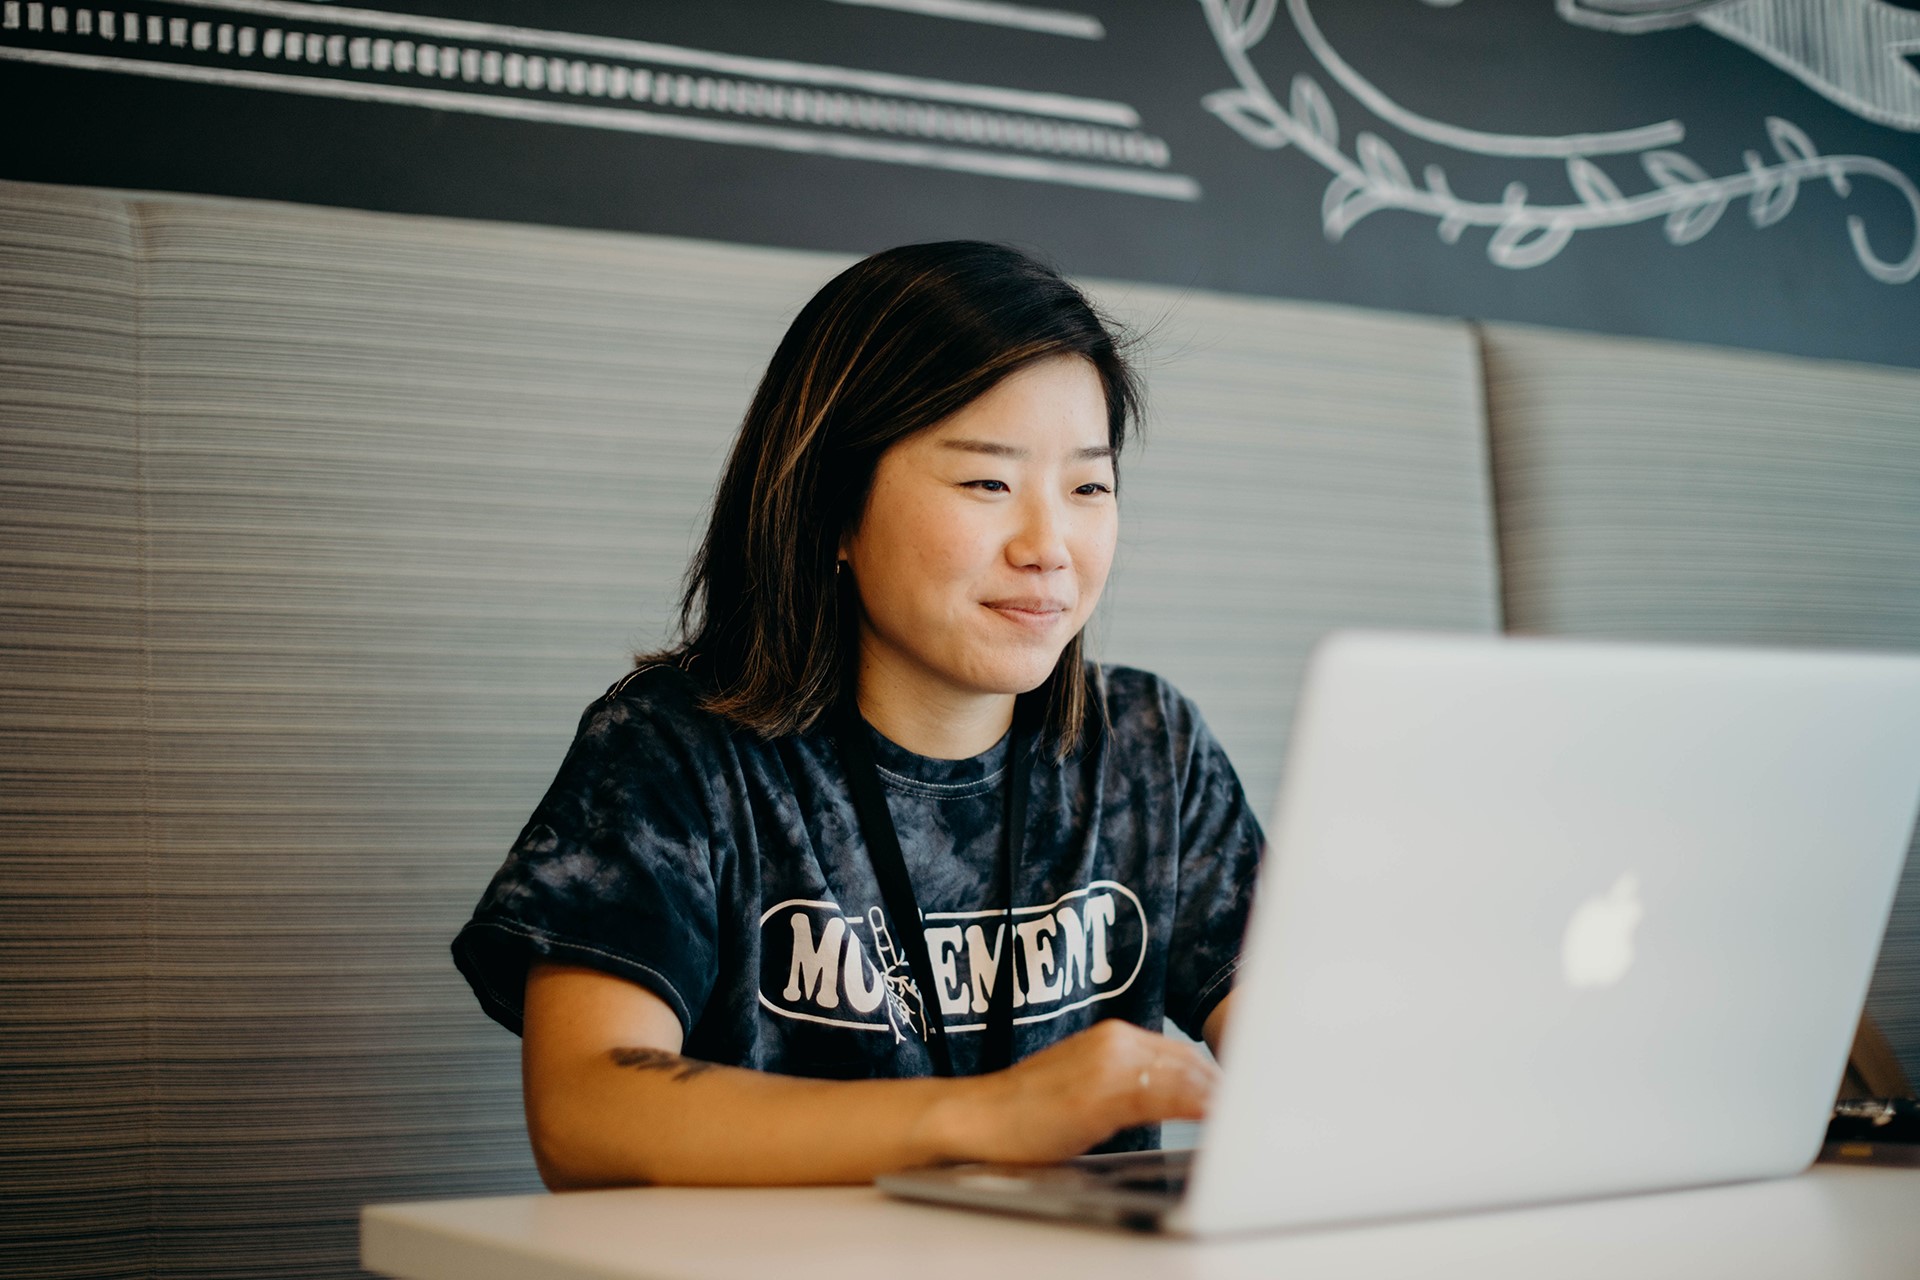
pixel 1132 1190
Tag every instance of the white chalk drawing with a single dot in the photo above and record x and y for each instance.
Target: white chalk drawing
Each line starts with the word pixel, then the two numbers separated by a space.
pixel 1854 52
pixel 633 86
pixel 1646 137
pixel 1024 17
pixel 1680 194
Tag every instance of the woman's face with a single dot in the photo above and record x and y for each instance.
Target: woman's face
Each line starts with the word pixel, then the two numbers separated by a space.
pixel 987 538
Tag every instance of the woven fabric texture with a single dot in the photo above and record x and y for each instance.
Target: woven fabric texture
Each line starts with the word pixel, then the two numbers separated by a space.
pixel 75 834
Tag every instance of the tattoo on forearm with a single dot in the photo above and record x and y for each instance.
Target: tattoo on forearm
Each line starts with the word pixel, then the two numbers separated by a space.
pixel 658 1060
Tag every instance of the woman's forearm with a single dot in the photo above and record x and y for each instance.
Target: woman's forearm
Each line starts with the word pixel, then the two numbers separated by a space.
pixel 643 1115
pixel 611 1103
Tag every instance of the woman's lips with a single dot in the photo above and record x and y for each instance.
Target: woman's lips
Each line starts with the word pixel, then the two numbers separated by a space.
pixel 1031 613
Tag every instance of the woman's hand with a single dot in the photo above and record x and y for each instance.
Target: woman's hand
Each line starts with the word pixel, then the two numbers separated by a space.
pixel 1074 1095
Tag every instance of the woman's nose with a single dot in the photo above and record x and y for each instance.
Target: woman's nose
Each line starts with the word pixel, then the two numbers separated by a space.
pixel 1040 542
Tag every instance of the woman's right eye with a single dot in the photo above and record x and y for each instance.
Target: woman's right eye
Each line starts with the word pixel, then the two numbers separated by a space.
pixel 988 486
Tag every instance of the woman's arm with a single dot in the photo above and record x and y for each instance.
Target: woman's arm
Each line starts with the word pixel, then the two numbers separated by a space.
pixel 1215 1032
pixel 610 1101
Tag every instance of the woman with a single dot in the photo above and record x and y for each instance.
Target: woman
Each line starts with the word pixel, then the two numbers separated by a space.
pixel 878 765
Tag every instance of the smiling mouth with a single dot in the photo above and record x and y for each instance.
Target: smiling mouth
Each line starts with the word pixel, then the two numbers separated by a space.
pixel 1037 615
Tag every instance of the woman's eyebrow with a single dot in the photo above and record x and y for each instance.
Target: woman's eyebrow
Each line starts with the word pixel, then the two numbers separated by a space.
pixel 985 446
pixel 1089 454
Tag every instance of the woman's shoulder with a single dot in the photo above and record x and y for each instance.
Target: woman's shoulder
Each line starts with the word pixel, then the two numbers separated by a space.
pixel 1140 703
pixel 1124 685
pixel 654 682
pixel 656 700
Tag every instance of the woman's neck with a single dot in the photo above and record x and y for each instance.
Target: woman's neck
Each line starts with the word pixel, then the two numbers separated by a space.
pixel 928 717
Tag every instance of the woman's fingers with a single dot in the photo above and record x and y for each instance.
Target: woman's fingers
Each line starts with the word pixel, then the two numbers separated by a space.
pixel 1143 1076
pixel 1153 1078
pixel 1080 1091
pixel 1176 1085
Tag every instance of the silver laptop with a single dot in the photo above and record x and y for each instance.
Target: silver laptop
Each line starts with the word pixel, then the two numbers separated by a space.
pixel 1539 920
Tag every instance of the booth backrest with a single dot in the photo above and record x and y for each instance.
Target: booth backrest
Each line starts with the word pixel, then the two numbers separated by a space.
pixel 318 529
pixel 1305 467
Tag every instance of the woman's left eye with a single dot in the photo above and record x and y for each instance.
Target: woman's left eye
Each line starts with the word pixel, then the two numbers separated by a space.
pixel 1093 487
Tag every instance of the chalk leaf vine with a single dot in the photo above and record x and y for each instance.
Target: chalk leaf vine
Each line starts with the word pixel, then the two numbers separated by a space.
pixel 1687 200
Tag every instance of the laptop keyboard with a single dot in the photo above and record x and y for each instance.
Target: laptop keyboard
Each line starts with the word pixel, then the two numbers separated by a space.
pixel 1154 1172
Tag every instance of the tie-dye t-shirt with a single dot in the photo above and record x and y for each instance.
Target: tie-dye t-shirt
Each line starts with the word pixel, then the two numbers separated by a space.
pixel 725 873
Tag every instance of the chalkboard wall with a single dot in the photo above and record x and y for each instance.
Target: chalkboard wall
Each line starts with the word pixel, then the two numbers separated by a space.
pixel 1738 172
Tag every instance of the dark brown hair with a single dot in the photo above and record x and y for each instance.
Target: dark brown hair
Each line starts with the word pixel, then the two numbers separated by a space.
pixel 890 346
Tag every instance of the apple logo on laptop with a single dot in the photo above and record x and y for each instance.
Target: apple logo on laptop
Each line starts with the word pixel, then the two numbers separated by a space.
pixel 1598 948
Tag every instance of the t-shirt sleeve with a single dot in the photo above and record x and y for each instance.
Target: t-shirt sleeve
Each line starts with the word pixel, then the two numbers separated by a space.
pixel 613 871
pixel 1220 848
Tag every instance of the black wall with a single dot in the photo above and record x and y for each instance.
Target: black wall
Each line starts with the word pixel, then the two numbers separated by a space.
pixel 1627 241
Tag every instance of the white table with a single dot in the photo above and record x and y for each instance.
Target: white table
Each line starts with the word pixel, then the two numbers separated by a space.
pixel 1831 1223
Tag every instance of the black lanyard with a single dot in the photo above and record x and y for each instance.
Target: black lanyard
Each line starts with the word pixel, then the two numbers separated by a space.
pixel 896 887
